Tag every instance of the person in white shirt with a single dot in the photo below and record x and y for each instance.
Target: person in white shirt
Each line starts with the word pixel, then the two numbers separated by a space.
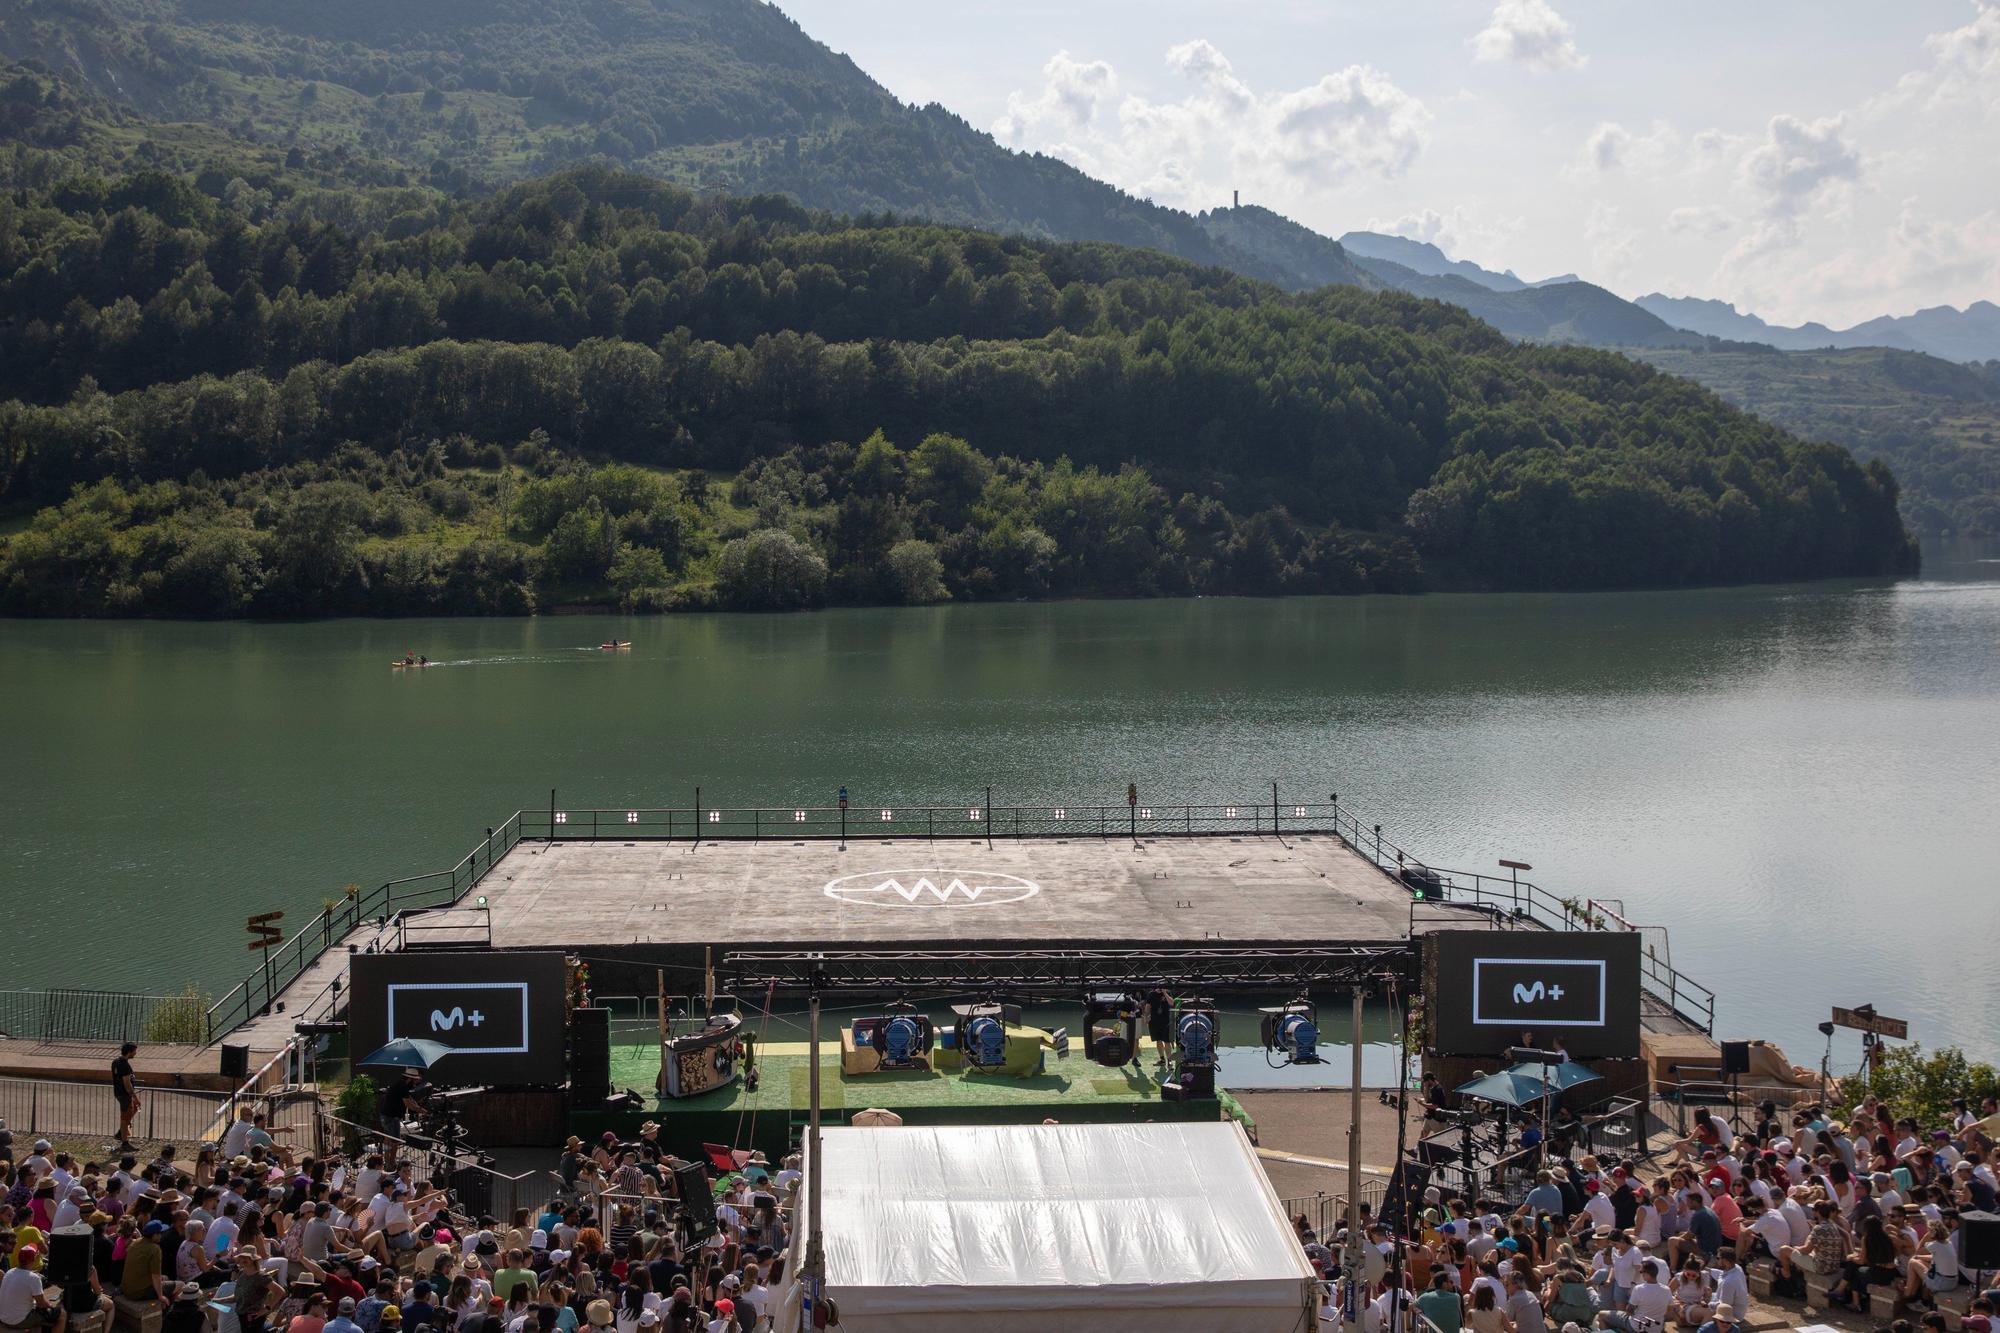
pixel 236 1139
pixel 1795 1215
pixel 1646 1310
pixel 1770 1226
pixel 21 1295
pixel 1597 1212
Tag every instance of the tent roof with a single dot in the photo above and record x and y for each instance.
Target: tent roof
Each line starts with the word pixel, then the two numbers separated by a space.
pixel 1154 1226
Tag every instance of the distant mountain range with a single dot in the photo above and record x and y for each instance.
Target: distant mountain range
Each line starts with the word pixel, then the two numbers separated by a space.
pixel 1971 334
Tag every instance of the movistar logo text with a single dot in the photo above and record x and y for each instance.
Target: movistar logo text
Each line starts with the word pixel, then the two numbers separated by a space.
pixel 1529 994
pixel 445 1022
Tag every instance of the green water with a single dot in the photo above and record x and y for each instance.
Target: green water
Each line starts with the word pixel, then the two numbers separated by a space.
pixel 1802 782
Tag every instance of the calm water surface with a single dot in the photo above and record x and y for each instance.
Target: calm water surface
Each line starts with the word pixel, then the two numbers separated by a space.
pixel 1803 783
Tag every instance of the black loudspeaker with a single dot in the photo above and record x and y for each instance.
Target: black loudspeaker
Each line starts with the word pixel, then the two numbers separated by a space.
pixel 236 1062
pixel 1405 1193
pixel 1735 1057
pixel 474 1189
pixel 1979 1240
pixel 589 1057
pixel 68 1266
pixel 697 1199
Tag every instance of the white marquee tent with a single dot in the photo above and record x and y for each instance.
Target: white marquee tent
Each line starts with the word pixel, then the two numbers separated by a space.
pixel 1113 1228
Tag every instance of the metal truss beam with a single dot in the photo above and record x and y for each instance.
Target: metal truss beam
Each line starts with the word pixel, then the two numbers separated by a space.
pixel 1058 970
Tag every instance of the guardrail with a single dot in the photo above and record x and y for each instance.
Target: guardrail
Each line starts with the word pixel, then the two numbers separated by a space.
pixel 286 963
pixel 493 1193
pixel 1507 903
pixel 98 1017
pixel 1327 1213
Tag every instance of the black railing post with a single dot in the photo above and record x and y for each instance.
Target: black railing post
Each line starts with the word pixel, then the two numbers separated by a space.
pixel 697 816
pixel 552 814
pixel 1274 808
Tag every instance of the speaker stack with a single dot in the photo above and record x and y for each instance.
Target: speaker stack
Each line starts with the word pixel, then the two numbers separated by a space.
pixel 697 1199
pixel 589 1057
pixel 1979 1241
pixel 68 1266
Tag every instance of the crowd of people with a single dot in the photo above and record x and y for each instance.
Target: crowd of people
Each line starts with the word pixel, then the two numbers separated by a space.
pixel 266 1239
pixel 1869 1201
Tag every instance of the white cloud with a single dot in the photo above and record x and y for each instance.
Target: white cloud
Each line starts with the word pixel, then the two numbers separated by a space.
pixel 1607 145
pixel 1797 160
pixel 1280 147
pixel 1529 33
pixel 1700 220
pixel 1357 119
pixel 1071 91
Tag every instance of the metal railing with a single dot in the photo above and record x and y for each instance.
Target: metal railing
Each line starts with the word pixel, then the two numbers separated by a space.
pixel 55 1106
pixel 284 964
pixel 503 1193
pixel 1510 903
pixel 93 1016
pixel 1327 1213
pixel 1674 1103
pixel 975 818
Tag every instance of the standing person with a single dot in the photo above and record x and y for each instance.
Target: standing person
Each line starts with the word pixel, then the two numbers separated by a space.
pixel 125 1090
pixel 1159 1008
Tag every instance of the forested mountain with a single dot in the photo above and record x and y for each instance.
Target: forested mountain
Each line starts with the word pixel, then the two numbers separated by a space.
pixel 723 95
pixel 257 383
pixel 1935 423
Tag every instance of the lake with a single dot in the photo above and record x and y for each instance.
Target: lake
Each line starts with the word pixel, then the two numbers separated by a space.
pixel 1802 783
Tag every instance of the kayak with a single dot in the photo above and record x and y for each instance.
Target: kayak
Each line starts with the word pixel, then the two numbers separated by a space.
pixel 413 665
pixel 608 647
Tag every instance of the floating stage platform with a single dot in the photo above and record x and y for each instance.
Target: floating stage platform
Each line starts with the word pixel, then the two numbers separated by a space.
pixel 1073 1091
pixel 634 906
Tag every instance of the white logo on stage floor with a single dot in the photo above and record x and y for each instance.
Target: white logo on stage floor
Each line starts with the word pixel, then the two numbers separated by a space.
pixel 932 888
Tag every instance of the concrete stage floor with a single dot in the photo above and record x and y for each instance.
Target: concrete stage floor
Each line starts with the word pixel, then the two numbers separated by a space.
pixel 905 893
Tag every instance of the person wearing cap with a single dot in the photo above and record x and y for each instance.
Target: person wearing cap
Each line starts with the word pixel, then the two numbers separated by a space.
pixel 24 1303
pixel 343 1318
pixel 725 1317
pixel 140 1278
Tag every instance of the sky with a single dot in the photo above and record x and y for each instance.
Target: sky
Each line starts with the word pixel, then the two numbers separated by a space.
pixel 1828 161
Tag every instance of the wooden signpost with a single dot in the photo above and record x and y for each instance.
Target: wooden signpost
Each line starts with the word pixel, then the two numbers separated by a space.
pixel 1865 1019
pixel 265 934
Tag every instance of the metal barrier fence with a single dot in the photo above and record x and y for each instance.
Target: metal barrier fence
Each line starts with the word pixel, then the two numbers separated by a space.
pixel 51 1106
pixel 106 1017
pixel 494 1193
pixel 1327 1213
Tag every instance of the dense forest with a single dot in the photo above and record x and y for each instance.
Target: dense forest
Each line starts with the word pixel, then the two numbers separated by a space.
pixel 733 97
pixel 231 384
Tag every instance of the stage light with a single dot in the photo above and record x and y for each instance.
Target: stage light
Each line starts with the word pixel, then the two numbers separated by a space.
pixel 986 1042
pixel 1291 1031
pixel 1195 1035
pixel 1110 1027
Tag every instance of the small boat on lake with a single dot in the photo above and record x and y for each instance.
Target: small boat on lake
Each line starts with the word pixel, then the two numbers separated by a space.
pixel 613 645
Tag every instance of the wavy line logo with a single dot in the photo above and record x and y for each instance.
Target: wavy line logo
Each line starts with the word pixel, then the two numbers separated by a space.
pixel 1530 994
pixel 445 1022
pixel 931 888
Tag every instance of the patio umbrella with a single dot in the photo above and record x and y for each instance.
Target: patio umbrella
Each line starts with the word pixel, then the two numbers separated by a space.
pixel 1560 1077
pixel 1510 1087
pixel 406 1053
